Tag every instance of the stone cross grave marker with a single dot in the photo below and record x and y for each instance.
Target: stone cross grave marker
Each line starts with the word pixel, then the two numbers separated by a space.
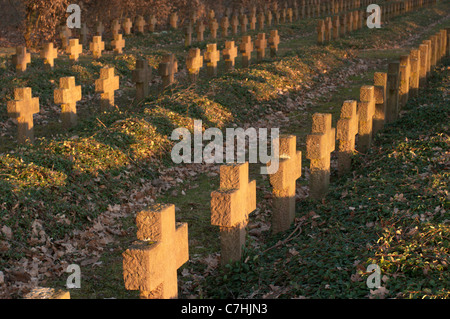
pixel 321 32
pixel 234 24
pixel 366 110
pixel 335 27
pixel 152 23
pixel 142 75
pixel 346 130
pixel 107 84
pixel 200 29
pixel 230 207
pixel 261 45
pixel 99 28
pixel 84 34
pixel 392 107
pixel 319 146
pixel 167 69
pixel 118 43
pixel 224 25
pixel 284 183
pixel 261 20
pixel 127 25
pixel 379 118
pixel 150 264
pixel 423 48
pixel 213 27
pixel 252 21
pixel 244 22
pixel 115 26
pixel 405 72
pixel 68 95
pixel 188 35
pixel 328 29
pixel 97 46
pixel 246 49
pixel 229 55
pixel 269 18
pixel 22 108
pixel 212 56
pixel 49 54
pixel 194 63
pixel 173 20
pixel 274 41
pixel 415 72
pixel 140 24
pixel 64 34
pixel 74 49
pixel 21 59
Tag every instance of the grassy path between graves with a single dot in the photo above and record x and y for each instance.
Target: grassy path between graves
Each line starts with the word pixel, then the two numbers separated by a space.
pixel 72 197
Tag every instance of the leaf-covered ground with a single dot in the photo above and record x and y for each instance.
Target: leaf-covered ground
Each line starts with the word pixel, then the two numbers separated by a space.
pixel 72 196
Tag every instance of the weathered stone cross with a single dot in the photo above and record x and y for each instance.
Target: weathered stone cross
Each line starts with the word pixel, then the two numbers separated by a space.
pixel 150 264
pixel 142 76
pixel 246 49
pixel 194 63
pixel 167 69
pixel 68 95
pixel 230 207
pixel 274 41
pixel 97 46
pixel 118 43
pixel 261 45
pixel 107 84
pixel 319 146
pixel 49 54
pixel 346 130
pixel 74 49
pixel 212 56
pixel 366 111
pixel 229 55
pixel 22 108
pixel 21 59
pixel 284 183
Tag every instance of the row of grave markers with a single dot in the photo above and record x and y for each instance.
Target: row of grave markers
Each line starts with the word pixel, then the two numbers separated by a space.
pixel 332 28
pixel 145 267
pixel 24 105
pixel 150 264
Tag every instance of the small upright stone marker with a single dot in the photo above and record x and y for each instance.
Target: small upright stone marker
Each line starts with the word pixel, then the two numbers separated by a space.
pixel 152 23
pixel 246 49
pixel 213 27
pixel 140 24
pixel 346 130
pixel 142 75
pixel 274 41
pixel 150 264
pixel 127 25
pixel 74 49
pixel 234 24
pixel 65 35
pixel 415 73
pixel 173 20
pixel 392 107
pixel 115 27
pixel 194 63
pixel 107 84
pixel 68 95
pixel 261 45
pixel 423 64
pixel 84 34
pixel 261 19
pixel 224 25
pixel 212 56
pixel 200 29
pixel 22 108
pixel 118 43
pixel 284 183
pixel 405 72
pixel 379 118
pixel 229 55
pixel 99 28
pixel 97 46
pixel 167 69
pixel 366 110
pixel 230 207
pixel 319 146
pixel 21 59
pixel 188 35
pixel 49 54
pixel 244 21
pixel 321 32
